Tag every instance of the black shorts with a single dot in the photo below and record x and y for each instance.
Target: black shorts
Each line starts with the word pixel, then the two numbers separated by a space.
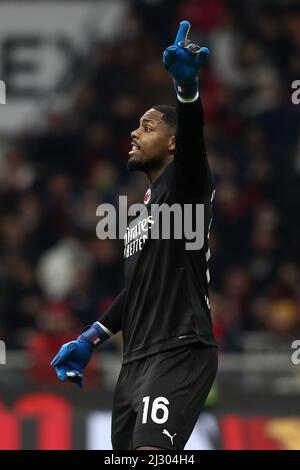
pixel 158 399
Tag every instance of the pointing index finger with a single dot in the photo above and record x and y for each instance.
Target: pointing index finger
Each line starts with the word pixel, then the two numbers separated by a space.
pixel 182 32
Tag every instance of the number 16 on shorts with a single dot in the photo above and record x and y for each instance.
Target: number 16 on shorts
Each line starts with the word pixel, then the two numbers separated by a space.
pixel 157 409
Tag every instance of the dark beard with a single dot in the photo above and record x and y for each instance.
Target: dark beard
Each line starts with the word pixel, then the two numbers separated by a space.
pixel 146 167
pixel 133 165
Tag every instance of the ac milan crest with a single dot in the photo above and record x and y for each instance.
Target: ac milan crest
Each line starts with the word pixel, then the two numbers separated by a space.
pixel 147 196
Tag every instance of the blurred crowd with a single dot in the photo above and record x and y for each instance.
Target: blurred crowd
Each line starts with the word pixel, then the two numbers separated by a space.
pixel 56 276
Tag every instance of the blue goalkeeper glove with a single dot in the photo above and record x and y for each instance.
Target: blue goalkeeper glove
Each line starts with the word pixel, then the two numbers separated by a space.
pixel 72 358
pixel 183 60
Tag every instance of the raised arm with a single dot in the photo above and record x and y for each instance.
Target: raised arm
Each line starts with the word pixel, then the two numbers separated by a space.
pixel 183 61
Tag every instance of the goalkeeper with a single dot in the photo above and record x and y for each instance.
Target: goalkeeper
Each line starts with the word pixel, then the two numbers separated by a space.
pixel 170 355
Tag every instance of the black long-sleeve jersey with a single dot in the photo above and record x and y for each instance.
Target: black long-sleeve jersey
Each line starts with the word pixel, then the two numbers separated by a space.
pixel 165 302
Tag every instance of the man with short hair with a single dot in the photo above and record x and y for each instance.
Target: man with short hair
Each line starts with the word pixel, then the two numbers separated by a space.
pixel 170 355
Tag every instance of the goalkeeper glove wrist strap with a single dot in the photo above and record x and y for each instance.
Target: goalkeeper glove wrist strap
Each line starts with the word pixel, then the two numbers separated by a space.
pixel 95 334
pixel 187 93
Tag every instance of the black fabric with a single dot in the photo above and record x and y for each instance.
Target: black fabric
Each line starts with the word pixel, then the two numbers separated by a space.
pixel 112 319
pixel 165 301
pixel 180 380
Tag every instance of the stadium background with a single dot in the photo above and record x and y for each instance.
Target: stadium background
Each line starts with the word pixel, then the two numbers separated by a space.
pixel 78 76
